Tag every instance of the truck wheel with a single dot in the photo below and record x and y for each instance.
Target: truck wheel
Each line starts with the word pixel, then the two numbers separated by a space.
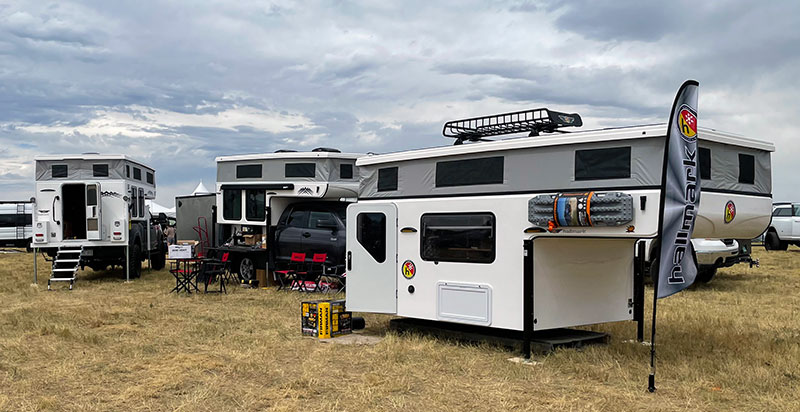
pixel 135 266
pixel 247 270
pixel 158 259
pixel 771 241
pixel 706 274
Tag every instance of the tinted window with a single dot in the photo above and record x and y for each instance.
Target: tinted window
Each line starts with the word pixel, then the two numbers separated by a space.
pixel 91 195
pixel 248 171
pixel 387 179
pixel 705 163
pixel 15 220
pixel 255 205
pixel 100 170
pixel 797 210
pixel 346 171
pixel 141 202
pixel 59 170
pixel 297 219
pixel 469 172
pixel 127 171
pixel 458 237
pixel 232 204
pixel 612 163
pixel 747 168
pixel 371 234
pixel 137 173
pixel 300 170
pixel 782 211
pixel 134 206
pixel 150 178
pixel 325 218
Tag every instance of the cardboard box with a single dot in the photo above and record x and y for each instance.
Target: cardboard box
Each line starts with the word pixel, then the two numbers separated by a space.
pixel 325 319
pixel 249 240
pixel 181 251
pixel 261 276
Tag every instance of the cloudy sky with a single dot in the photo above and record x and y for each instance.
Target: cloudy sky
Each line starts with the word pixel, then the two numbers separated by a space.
pixel 176 83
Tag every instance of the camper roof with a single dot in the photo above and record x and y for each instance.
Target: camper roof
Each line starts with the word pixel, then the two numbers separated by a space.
pixel 90 157
pixel 599 135
pixel 289 155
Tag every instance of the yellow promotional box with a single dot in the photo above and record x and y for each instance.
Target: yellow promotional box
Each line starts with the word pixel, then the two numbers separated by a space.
pixel 324 319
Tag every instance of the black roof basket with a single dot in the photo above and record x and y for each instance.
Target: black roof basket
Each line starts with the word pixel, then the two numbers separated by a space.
pixel 532 121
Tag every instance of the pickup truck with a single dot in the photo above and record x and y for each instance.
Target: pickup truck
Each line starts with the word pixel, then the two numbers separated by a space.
pixel 784 228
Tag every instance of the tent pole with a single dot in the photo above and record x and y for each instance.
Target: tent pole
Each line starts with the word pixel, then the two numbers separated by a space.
pixel 651 380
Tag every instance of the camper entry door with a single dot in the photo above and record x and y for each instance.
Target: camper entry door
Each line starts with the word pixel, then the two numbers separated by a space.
pixel 372 257
pixel 94 203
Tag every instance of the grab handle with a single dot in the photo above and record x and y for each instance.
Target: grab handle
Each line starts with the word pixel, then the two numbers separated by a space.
pixel 53 211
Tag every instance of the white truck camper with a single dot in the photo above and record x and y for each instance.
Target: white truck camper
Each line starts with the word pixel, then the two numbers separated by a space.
pixel 533 233
pixel 16 228
pixel 90 211
pixel 255 192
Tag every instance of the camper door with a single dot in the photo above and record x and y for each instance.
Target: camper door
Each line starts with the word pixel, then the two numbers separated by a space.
pixel 372 258
pixel 93 212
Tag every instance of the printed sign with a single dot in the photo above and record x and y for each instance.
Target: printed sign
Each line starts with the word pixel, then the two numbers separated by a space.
pixel 687 123
pixel 409 269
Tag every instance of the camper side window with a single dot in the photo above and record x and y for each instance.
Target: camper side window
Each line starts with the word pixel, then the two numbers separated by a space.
pixel 59 171
pixel 458 237
pixel 255 205
pixel 248 171
pixel 595 164
pixel 300 170
pixel 345 171
pixel 232 204
pixel 387 179
pixel 137 173
pixel 747 168
pixel 469 172
pixel 100 170
pixel 127 171
pixel 371 234
pixel 141 202
pixel 150 178
pixel 705 163
pixel 134 206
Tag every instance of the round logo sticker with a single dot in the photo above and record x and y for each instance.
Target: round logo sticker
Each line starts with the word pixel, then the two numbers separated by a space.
pixel 730 211
pixel 687 123
pixel 409 269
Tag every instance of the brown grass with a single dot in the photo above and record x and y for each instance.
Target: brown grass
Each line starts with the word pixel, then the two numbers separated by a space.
pixel 108 345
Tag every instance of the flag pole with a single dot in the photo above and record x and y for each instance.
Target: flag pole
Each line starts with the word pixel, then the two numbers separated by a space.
pixel 651 380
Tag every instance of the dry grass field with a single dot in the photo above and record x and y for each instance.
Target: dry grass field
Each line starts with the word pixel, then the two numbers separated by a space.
pixel 733 344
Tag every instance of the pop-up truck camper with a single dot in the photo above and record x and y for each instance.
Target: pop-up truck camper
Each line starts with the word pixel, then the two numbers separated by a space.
pixel 90 211
pixel 473 233
pixel 271 205
pixel 15 223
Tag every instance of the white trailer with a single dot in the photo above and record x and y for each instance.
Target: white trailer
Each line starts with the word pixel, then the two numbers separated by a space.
pixel 16 229
pixel 476 233
pixel 253 191
pixel 90 211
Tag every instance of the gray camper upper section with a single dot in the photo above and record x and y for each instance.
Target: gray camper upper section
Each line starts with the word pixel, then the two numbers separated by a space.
pixel 93 169
pixel 303 169
pixel 626 163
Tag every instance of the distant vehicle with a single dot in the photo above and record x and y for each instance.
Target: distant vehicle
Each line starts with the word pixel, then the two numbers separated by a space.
pixel 784 228
pixel 314 227
pixel 15 223
pixel 713 254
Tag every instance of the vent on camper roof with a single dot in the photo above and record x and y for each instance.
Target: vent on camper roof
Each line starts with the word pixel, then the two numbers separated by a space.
pixel 285 151
pixel 532 121
pixel 327 149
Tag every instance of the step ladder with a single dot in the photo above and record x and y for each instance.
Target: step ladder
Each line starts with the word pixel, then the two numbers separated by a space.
pixel 66 265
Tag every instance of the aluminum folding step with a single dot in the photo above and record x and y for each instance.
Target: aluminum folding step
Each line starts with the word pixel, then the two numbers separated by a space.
pixel 65 266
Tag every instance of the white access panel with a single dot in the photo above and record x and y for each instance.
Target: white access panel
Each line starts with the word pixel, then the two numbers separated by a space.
pixel 464 303
pixel 371 282
pixel 581 281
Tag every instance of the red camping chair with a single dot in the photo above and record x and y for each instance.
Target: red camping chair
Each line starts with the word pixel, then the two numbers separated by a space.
pixel 296 264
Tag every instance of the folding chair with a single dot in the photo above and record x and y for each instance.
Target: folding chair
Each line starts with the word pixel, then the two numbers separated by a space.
pixel 213 270
pixel 296 263
pixel 315 271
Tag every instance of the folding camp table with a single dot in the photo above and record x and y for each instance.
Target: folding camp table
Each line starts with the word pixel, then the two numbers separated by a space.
pixel 185 272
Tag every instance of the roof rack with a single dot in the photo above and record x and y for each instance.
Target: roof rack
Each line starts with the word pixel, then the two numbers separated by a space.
pixel 532 121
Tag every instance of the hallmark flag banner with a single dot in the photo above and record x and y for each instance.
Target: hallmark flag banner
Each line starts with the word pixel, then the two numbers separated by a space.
pixel 680 195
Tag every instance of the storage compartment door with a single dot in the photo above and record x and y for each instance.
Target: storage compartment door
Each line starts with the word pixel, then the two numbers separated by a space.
pixel 93 212
pixel 371 261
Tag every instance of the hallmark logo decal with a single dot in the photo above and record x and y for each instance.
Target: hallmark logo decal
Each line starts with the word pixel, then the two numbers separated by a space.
pixel 687 123
pixel 305 191
pixel 110 194
pixel 730 211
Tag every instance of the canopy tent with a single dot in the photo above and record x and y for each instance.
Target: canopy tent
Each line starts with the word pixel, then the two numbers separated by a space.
pixel 156 208
pixel 201 190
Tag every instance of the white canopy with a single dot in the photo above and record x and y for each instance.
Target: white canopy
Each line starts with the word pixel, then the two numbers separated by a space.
pixel 200 189
pixel 155 209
